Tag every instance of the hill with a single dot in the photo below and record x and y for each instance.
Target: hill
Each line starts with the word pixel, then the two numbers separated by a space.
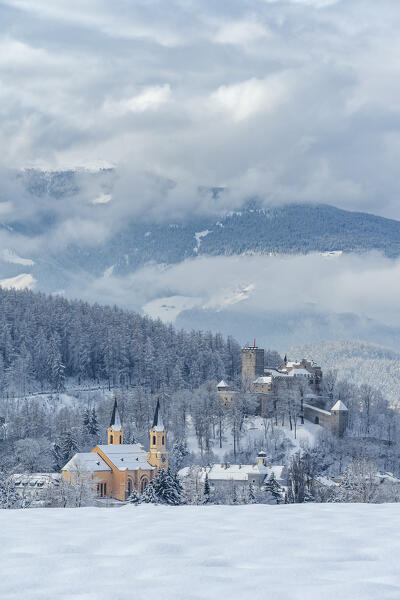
pixel 286 552
pixel 44 340
pixel 358 362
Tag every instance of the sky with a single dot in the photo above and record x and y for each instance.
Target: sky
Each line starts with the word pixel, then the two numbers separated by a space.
pixel 285 100
pixel 280 100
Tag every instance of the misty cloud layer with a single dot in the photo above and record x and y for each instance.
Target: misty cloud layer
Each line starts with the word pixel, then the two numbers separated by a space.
pixel 284 100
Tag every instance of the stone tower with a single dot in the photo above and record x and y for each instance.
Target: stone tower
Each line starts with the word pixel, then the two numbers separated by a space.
pixel 115 433
pixel 158 455
pixel 252 363
pixel 339 418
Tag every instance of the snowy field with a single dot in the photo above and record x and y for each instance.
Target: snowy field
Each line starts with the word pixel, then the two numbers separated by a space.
pixel 259 552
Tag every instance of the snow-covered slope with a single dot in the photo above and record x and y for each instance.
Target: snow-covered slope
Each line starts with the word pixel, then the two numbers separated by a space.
pixel 257 552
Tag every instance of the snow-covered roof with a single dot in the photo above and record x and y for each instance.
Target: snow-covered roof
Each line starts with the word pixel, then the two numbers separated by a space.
pixel 222 472
pixel 339 406
pixel 37 480
pixel 86 462
pixel 126 457
pixel 263 380
pixel 222 384
pixel 326 481
pixel 320 410
pixel 299 371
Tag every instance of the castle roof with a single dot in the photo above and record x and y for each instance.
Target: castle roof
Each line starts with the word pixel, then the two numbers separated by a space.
pixel 222 384
pixel 126 457
pixel 158 424
pixel 115 418
pixel 339 406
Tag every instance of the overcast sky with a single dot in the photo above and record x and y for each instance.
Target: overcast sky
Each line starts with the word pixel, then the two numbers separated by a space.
pixel 295 100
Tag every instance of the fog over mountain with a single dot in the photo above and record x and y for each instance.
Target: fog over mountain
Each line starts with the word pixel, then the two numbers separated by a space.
pixel 185 161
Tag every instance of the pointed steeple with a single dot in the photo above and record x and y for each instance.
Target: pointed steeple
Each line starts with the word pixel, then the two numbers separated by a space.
pixel 285 359
pixel 115 418
pixel 158 424
pixel 115 433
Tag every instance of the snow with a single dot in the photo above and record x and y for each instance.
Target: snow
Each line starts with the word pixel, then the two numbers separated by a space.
pixel 168 308
pixel 254 552
pixel 102 199
pixel 129 457
pixel 339 406
pixel 198 236
pixel 222 384
pixel 88 462
pixel 20 282
pixel 10 256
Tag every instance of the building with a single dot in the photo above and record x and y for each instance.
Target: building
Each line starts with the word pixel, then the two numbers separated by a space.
pixel 37 489
pixel 117 468
pixel 273 385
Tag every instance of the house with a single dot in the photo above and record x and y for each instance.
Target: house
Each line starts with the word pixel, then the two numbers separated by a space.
pixel 223 476
pixel 37 489
pixel 117 468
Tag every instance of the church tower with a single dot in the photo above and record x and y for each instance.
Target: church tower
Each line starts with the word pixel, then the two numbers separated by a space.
pixel 115 433
pixel 158 455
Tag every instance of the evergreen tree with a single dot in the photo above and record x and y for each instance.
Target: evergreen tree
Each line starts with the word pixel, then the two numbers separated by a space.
pixel 251 495
pixel 273 489
pixel 206 492
pixel 9 497
pixel 135 498
pixel 93 424
pixel 165 488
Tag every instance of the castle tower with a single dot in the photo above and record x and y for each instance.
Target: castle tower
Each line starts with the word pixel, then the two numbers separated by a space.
pixel 252 363
pixel 339 418
pixel 158 455
pixel 115 433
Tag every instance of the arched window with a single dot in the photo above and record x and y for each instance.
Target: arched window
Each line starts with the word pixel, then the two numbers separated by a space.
pixel 129 488
pixel 143 484
pixel 154 440
pixel 316 420
pixel 111 439
pixel 120 438
pixel 163 440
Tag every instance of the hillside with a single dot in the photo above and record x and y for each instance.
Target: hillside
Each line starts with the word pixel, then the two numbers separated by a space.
pixel 287 552
pixel 358 362
pixel 44 340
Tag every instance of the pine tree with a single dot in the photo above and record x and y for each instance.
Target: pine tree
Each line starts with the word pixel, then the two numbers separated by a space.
pixel 135 498
pixel 9 497
pixel 251 495
pixel 273 488
pixel 149 496
pixel 58 457
pixel 165 488
pixel 235 499
pixel 93 425
pixel 206 492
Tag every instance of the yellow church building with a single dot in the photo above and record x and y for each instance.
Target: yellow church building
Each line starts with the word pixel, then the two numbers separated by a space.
pixel 117 468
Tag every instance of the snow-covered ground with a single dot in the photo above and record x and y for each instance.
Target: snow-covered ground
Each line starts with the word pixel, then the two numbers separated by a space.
pixel 258 552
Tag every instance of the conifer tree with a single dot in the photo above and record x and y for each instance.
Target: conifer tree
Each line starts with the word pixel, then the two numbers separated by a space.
pixel 9 497
pixel 273 488
pixel 206 492
pixel 135 498
pixel 251 495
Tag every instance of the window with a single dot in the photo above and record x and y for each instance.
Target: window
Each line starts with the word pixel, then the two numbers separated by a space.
pixel 111 439
pixel 143 485
pixel 129 488
pixel 163 440
pixel 316 420
pixel 120 438
pixel 154 440
pixel 102 490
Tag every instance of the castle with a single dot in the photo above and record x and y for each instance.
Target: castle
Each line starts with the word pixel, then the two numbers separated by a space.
pixel 272 384
pixel 117 468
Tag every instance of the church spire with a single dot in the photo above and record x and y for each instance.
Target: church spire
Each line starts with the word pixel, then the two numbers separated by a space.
pixel 158 455
pixel 158 424
pixel 115 433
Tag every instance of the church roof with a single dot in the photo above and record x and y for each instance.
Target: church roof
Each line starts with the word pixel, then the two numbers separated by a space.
pixel 86 462
pixel 126 457
pixel 339 406
pixel 158 424
pixel 115 418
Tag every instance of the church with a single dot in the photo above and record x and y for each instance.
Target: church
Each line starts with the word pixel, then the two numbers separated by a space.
pixel 117 468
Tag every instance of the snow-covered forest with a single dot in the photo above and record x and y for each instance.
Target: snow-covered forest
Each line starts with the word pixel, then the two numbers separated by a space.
pixel 46 342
